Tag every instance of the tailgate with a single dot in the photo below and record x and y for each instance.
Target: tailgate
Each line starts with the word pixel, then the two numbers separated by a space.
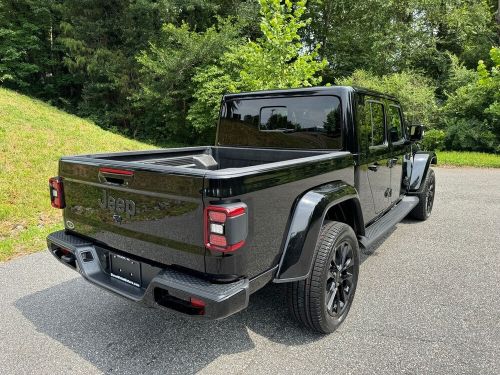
pixel 155 215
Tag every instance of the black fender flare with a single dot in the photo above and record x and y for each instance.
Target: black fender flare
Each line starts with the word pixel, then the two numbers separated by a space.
pixel 305 225
pixel 420 165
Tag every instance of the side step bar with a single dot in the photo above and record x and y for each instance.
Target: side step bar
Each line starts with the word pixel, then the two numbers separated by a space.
pixel 386 222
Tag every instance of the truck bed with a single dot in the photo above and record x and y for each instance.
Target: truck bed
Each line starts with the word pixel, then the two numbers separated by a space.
pixel 223 157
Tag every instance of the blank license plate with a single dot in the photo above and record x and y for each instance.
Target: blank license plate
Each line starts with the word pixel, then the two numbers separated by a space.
pixel 125 269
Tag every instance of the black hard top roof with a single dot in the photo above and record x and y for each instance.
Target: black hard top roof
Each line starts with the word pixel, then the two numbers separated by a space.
pixel 317 90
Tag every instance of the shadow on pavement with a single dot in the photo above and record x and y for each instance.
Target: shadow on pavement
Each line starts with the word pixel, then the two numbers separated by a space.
pixel 119 336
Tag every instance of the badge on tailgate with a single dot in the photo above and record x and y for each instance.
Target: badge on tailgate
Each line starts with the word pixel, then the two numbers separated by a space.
pixel 117 205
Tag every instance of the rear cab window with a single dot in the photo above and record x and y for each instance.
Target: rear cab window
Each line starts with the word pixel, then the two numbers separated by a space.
pixel 304 122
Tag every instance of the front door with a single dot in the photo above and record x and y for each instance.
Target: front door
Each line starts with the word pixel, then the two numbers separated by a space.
pixel 377 154
pixel 398 149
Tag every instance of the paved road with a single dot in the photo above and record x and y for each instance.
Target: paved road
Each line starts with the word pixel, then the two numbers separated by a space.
pixel 428 301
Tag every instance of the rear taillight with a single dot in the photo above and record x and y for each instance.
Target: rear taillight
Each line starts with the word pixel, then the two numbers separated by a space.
pixel 226 226
pixel 56 192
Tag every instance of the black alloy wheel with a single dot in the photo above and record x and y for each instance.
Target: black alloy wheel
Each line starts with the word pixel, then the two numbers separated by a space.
pixel 340 279
pixel 429 199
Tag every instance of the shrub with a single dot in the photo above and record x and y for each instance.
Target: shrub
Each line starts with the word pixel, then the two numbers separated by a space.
pixel 470 135
pixel 433 140
pixel 471 114
pixel 168 67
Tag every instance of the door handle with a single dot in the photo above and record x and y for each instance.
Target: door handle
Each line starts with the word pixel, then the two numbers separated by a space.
pixel 373 167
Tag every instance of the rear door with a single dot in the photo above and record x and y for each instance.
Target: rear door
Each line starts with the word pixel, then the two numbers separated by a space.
pixel 151 214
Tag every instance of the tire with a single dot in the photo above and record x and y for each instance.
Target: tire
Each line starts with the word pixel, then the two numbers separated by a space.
pixel 423 209
pixel 322 301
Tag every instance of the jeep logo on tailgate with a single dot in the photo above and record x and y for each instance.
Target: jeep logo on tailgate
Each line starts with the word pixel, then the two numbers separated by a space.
pixel 119 205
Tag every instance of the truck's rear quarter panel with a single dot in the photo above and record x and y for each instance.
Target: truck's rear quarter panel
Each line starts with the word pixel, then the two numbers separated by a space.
pixel 270 195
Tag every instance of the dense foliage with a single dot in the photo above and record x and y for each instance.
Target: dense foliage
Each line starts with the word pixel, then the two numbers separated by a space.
pixel 155 69
pixel 471 114
pixel 415 92
pixel 274 60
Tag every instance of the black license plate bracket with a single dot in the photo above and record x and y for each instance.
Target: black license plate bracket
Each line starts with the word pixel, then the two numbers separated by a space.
pixel 125 269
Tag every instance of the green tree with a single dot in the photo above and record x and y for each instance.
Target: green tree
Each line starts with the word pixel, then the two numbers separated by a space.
pixel 471 114
pixel 167 69
pixel 20 39
pixel 385 36
pixel 201 15
pixel 278 59
pixel 30 57
pixel 414 91
pixel 101 40
pixel 117 63
pixel 116 82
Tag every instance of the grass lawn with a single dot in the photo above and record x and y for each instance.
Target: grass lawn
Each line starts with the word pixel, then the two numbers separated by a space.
pixel 33 135
pixel 468 159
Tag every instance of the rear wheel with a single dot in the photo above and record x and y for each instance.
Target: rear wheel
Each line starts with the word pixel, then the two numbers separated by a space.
pixel 322 301
pixel 423 209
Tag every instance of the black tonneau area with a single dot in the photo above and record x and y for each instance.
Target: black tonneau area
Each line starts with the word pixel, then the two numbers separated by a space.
pixel 223 157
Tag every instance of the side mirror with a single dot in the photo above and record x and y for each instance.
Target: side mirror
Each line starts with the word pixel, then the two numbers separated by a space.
pixel 416 132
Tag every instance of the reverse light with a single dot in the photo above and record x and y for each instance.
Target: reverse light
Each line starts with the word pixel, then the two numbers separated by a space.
pixel 217 228
pixel 226 226
pixel 56 192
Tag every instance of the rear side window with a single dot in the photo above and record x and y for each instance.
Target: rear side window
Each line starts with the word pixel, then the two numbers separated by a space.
pixel 394 123
pixel 377 135
pixel 312 122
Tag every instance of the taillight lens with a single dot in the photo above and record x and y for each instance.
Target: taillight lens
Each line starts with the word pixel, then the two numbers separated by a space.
pixel 226 227
pixel 56 192
pixel 217 240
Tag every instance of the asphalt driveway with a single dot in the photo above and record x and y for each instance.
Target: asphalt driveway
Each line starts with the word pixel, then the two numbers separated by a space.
pixel 428 301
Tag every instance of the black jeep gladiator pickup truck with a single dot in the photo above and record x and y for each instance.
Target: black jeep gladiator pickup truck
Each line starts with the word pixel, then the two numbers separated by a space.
pixel 298 180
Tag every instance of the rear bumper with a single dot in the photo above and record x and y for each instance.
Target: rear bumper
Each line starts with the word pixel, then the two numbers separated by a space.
pixel 161 287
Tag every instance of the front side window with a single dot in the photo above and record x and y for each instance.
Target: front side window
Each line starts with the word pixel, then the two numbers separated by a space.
pixel 312 122
pixel 394 123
